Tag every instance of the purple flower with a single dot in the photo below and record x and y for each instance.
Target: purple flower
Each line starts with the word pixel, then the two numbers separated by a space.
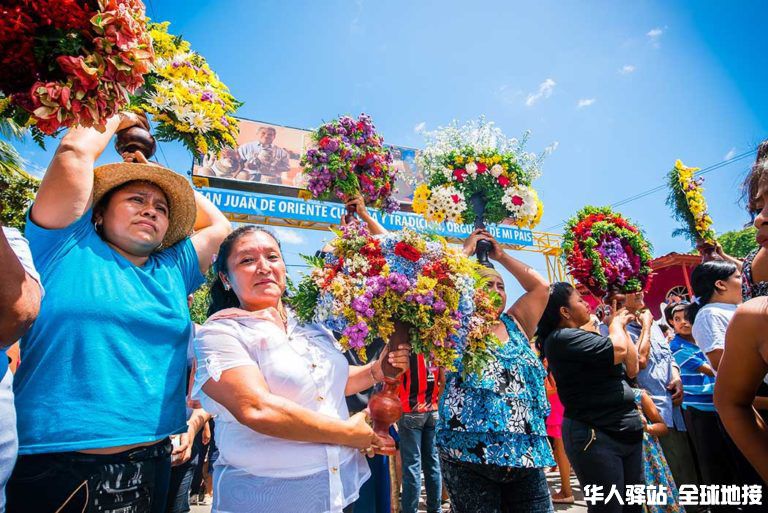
pixel 206 96
pixel 356 334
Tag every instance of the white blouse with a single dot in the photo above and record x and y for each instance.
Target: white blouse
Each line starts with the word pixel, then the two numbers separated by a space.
pixel 257 472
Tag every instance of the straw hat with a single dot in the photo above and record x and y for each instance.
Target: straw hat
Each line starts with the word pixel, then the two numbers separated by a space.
pixel 181 199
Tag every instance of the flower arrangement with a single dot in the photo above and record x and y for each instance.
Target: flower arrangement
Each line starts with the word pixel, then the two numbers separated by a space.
pixel 351 159
pixel 367 283
pixel 186 98
pixel 67 62
pixel 686 199
pixel 476 158
pixel 605 252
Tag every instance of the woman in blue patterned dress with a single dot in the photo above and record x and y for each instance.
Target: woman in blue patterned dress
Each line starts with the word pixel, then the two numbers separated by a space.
pixel 491 432
pixel 657 473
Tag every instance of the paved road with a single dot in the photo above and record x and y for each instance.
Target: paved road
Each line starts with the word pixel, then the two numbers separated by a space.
pixel 552 478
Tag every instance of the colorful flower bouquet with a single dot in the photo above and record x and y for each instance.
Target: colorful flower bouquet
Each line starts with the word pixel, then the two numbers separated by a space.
pixel 351 159
pixel 186 98
pixel 66 62
pixel 476 159
pixel 686 199
pixel 606 253
pixel 367 284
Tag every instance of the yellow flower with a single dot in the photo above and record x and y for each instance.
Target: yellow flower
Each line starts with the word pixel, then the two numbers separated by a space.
pixel 421 199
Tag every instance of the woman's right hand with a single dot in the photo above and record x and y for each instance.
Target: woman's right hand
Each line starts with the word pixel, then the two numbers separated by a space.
pixel 470 243
pixel 622 317
pixel 129 119
pixel 360 435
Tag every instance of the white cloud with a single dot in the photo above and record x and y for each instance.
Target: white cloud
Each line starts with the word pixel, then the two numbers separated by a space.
pixel 585 102
pixel 654 35
pixel 731 153
pixel 544 91
pixel 419 127
pixel 627 69
pixel 289 236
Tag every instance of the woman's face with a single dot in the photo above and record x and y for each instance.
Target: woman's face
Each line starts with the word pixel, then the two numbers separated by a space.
pixel 577 309
pixel 256 271
pixel 729 291
pixel 496 284
pixel 759 208
pixel 136 218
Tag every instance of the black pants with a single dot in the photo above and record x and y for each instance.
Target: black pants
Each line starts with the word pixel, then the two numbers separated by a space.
pixel 599 459
pixel 134 481
pixel 493 489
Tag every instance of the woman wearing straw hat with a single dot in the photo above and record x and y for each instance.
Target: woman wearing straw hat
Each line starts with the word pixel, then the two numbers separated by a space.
pixel 102 383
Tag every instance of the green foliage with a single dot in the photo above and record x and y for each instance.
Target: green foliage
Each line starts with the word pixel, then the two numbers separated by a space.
pixel 17 188
pixel 739 243
pixel 200 301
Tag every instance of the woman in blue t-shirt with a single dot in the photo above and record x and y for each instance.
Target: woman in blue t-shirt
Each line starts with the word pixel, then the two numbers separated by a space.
pixel 101 386
pixel 491 431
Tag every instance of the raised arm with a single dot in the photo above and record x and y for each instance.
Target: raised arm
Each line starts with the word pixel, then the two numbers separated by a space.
pixel 211 227
pixel 372 224
pixel 741 370
pixel 244 393
pixel 624 350
pixel 66 189
pixel 644 341
pixel 19 295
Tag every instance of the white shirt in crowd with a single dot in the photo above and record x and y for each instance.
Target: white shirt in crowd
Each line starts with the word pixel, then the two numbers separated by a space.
pixel 711 324
pixel 256 472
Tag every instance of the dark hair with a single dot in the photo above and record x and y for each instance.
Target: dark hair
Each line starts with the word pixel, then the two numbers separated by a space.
pixel 703 281
pixel 756 176
pixel 669 311
pixel 559 296
pixel 220 298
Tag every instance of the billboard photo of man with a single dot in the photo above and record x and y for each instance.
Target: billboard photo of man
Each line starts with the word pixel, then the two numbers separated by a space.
pixel 262 160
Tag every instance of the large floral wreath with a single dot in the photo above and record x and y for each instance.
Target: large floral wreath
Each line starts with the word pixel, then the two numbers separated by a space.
pixel 351 159
pixel 476 158
pixel 605 252
pixel 67 62
pixel 367 283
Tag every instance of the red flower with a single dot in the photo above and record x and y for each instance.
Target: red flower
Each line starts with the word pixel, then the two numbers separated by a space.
pixel 459 174
pixel 517 200
pixel 324 141
pixel 407 251
pixel 481 168
pixel 503 180
pixel 436 270
pixel 455 198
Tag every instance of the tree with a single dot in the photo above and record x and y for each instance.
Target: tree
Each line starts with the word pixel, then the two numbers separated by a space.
pixel 739 243
pixel 200 300
pixel 17 188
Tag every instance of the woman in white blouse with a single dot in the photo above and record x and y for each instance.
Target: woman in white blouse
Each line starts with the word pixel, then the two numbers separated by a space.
pixel 286 441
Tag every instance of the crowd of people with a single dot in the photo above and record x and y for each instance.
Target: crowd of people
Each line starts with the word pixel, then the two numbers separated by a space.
pixel 116 383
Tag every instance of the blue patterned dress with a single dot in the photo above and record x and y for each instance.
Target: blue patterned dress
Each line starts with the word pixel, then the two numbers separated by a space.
pixel 656 470
pixel 498 418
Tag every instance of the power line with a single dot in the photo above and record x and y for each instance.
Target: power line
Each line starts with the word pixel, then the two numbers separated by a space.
pixel 640 195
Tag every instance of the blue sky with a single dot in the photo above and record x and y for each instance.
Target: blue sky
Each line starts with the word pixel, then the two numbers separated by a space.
pixel 622 88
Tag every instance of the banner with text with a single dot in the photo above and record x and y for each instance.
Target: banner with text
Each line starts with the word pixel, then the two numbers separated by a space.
pixel 240 202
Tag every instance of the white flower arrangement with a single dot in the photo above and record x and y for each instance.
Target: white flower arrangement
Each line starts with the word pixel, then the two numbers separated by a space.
pixel 446 203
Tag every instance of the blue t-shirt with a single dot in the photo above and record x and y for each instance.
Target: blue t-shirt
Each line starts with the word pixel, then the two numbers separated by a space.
pixel 698 388
pixel 104 364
